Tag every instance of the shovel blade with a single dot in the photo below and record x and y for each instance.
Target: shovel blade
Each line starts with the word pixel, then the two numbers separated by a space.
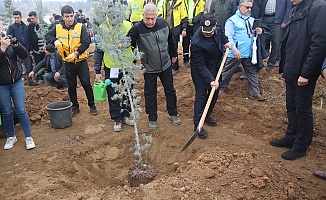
pixel 191 139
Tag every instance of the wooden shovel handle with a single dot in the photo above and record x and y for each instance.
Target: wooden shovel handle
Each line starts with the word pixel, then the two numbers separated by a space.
pixel 208 103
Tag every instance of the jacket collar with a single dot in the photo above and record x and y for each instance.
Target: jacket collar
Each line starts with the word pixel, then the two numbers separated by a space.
pixel 68 27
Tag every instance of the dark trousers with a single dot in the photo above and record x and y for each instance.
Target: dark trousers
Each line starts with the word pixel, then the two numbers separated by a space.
pixel 275 38
pixel 150 91
pixel 299 111
pixel 81 70
pixel 250 70
pixel 186 43
pixel 117 112
pixel 202 93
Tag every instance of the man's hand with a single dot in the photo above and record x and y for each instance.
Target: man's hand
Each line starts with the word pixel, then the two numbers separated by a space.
pixel 237 54
pixel 228 45
pixel 56 43
pixel 302 81
pixel 283 25
pixel 138 62
pixel 184 33
pixel 31 74
pixel 98 77
pixel 71 57
pixel 259 31
pixel 174 59
pixel 214 84
pixel 56 75
pixel 5 43
pixel 30 53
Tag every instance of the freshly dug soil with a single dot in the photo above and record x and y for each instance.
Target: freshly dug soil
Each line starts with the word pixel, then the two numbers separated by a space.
pixel 88 160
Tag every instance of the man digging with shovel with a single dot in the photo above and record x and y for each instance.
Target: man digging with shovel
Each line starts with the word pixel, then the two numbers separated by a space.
pixel 206 56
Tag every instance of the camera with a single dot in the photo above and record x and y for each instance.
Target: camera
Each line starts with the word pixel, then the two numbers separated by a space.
pixel 13 40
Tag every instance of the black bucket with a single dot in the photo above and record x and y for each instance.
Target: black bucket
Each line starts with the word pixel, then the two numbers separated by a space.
pixel 60 114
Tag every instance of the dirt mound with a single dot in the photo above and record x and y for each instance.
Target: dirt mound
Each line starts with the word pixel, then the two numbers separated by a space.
pixel 90 161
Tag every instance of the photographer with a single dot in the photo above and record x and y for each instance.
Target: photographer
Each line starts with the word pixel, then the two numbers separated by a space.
pixel 12 90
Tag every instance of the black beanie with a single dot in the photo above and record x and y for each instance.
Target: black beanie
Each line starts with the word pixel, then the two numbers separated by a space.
pixel 50 48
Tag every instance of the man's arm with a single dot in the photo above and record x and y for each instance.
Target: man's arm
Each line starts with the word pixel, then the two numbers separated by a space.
pixel 317 36
pixel 198 62
pixel 133 34
pixel 229 32
pixel 98 57
pixel 85 41
pixel 289 6
pixel 41 64
pixel 172 45
pixel 323 68
pixel 20 51
pixel 50 36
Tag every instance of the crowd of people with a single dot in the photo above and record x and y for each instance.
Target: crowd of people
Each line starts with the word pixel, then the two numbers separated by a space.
pixel 286 32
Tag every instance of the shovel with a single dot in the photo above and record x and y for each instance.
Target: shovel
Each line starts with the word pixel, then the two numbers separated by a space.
pixel 203 117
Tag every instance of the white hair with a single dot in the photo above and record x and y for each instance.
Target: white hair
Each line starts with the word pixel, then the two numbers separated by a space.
pixel 150 8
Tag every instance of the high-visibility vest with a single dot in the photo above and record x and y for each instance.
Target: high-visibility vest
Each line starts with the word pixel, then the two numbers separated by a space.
pixel 70 40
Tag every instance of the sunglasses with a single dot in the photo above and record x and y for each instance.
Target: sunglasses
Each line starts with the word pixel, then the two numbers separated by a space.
pixel 247 7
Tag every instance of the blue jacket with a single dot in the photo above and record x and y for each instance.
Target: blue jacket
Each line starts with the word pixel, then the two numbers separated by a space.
pixel 20 34
pixel 282 10
pixel 236 31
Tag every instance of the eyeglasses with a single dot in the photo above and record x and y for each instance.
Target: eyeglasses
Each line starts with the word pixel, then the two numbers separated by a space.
pixel 247 7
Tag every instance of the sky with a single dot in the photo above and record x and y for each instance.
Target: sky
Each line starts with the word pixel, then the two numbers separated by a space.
pixel 60 0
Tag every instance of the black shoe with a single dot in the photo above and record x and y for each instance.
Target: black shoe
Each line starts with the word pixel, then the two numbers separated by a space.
pixel 294 154
pixel 93 110
pixel 203 133
pixel 282 142
pixel 75 111
pixel 210 121
pixel 30 82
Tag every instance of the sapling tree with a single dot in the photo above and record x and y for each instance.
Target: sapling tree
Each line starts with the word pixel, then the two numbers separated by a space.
pixel 111 38
pixel 43 26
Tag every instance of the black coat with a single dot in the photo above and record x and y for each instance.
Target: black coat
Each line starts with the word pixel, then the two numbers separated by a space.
pixel 45 63
pixel 303 49
pixel 32 37
pixel 21 34
pixel 9 70
pixel 205 57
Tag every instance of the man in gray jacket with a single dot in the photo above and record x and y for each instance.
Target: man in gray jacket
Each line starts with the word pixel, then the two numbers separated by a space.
pixel 154 38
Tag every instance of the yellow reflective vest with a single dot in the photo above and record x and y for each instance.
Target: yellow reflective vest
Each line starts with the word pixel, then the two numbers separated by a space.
pixel 198 8
pixel 109 63
pixel 179 11
pixel 70 40
pixel 136 7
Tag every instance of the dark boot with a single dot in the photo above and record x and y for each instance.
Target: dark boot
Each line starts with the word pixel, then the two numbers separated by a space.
pixel 30 82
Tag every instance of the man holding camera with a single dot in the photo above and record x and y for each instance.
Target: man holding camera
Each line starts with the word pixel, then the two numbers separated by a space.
pixel 12 91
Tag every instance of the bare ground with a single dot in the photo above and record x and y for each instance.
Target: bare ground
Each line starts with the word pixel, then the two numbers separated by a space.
pixel 90 161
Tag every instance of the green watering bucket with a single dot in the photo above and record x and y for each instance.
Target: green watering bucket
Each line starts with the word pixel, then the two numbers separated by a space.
pixel 99 91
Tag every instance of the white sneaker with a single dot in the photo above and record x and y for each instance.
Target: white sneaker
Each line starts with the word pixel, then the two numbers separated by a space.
pixel 10 142
pixel 128 121
pixel 117 127
pixel 30 143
